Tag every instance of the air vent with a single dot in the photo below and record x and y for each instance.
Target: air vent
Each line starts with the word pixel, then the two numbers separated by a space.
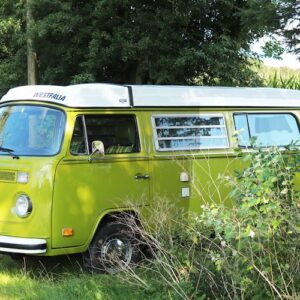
pixel 8 176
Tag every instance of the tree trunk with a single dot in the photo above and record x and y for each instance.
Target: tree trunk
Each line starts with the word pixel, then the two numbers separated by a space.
pixel 31 54
pixel 137 74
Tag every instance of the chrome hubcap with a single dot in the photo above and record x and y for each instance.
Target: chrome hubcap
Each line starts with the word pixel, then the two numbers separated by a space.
pixel 116 253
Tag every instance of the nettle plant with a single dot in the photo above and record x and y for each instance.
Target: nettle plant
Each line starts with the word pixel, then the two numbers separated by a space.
pixel 256 243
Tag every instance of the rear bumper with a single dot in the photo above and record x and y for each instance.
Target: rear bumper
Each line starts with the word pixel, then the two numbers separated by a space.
pixel 22 245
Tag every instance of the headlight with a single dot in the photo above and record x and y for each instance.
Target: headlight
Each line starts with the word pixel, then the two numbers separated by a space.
pixel 23 206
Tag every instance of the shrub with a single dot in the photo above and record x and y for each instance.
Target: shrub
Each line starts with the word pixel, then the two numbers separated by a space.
pixel 258 238
pixel 248 251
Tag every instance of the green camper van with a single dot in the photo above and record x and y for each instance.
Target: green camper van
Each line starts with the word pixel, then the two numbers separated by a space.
pixel 73 157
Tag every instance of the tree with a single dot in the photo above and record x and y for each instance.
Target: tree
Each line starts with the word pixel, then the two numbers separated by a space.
pixel 12 41
pixel 31 55
pixel 140 41
pixel 290 24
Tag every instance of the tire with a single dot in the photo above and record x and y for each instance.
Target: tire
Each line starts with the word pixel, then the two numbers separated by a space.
pixel 113 249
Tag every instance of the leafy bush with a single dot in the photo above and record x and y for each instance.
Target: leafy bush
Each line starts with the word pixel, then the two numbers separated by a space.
pixel 248 251
pixel 259 237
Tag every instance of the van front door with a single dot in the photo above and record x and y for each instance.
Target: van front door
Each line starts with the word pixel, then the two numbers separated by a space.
pixel 88 186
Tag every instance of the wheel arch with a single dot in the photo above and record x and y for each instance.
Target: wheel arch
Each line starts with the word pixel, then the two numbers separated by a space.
pixel 114 216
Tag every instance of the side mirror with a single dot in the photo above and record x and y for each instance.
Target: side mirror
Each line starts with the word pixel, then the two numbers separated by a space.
pixel 97 148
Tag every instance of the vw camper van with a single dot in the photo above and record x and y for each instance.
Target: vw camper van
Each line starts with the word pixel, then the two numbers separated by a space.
pixel 73 157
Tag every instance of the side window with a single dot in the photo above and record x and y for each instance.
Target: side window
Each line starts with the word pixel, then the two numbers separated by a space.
pixel 78 144
pixel 241 125
pixel 267 129
pixel 118 133
pixel 189 132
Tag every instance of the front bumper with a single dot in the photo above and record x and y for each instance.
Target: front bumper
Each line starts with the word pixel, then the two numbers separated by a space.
pixel 22 245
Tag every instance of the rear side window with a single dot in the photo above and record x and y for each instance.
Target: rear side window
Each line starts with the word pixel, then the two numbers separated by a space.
pixel 266 129
pixel 189 132
pixel 118 134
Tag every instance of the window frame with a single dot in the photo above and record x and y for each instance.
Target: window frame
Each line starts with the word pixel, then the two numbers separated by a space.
pixel 85 137
pixel 83 116
pixel 64 127
pixel 262 113
pixel 156 138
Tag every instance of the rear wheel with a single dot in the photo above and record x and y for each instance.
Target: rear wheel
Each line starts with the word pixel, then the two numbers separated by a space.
pixel 114 248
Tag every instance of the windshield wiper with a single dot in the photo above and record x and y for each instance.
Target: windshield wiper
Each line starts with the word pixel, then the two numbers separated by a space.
pixel 10 151
pixel 2 149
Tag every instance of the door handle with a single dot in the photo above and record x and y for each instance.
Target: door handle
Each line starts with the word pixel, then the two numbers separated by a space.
pixel 141 176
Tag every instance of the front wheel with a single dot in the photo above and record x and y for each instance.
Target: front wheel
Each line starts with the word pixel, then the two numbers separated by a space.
pixel 114 248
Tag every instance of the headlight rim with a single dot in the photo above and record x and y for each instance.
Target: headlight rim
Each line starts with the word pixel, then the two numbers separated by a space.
pixel 29 206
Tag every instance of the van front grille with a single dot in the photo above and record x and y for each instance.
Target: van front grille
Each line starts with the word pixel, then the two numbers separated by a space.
pixel 8 176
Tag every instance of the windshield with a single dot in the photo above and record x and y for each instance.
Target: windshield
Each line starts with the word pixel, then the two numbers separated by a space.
pixel 31 130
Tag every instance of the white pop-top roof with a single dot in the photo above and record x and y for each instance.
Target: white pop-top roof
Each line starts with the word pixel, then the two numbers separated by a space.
pixel 109 95
pixel 81 95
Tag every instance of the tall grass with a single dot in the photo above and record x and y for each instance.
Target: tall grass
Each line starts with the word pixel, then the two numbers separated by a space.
pixel 284 77
pixel 250 251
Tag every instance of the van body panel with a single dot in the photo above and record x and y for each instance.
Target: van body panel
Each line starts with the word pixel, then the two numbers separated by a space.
pixel 83 190
pixel 39 188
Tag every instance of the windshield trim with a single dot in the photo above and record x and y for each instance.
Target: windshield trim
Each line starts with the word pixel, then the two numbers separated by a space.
pixel 39 105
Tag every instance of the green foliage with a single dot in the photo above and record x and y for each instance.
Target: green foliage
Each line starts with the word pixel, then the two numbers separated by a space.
pixel 248 251
pixel 279 81
pixel 12 41
pixel 158 42
pixel 273 49
pixel 258 239
pixel 279 77
pixel 289 10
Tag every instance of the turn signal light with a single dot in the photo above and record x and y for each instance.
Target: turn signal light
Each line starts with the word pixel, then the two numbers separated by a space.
pixel 67 231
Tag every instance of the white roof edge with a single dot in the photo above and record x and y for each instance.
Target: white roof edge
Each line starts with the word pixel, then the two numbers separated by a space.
pixel 119 96
pixel 203 96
